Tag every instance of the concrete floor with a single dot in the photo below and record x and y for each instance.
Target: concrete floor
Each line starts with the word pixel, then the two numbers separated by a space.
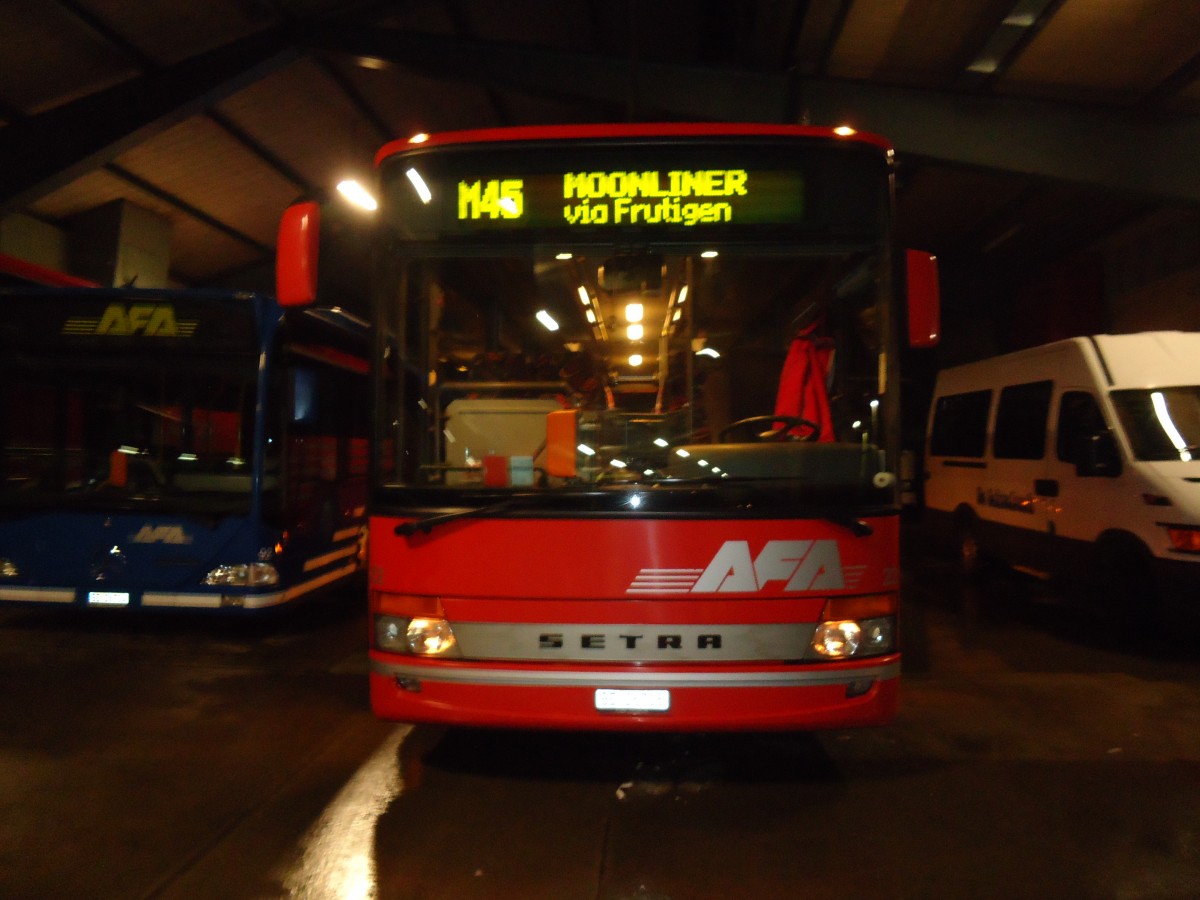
pixel 1035 755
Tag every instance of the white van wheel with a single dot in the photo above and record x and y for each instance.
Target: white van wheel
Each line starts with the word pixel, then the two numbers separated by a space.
pixel 972 560
pixel 1124 581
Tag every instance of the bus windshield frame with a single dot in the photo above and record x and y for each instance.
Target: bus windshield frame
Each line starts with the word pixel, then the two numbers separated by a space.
pixel 506 338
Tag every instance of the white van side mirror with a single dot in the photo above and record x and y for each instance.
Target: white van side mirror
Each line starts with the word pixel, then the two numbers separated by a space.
pixel 1098 456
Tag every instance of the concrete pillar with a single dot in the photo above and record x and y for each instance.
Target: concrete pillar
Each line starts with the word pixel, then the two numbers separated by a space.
pixel 121 243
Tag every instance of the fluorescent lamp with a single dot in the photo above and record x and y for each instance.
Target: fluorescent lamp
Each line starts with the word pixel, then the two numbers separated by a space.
pixel 358 195
pixel 419 183
pixel 546 319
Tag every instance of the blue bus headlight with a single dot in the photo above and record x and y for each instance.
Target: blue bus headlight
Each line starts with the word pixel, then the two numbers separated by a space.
pixel 252 575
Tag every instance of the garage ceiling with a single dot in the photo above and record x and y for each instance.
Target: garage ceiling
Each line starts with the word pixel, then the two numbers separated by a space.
pixel 1026 130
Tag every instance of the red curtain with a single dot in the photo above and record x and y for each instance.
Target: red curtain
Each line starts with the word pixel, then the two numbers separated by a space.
pixel 802 391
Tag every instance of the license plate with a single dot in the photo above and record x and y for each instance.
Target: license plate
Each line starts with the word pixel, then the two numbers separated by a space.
pixel 626 700
pixel 107 598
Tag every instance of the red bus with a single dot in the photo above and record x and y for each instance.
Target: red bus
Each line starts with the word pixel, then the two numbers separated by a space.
pixel 637 426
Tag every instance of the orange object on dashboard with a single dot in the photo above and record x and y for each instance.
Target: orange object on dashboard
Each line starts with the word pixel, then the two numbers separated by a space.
pixel 560 443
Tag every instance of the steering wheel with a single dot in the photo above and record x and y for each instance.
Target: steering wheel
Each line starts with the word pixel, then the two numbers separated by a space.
pixel 780 434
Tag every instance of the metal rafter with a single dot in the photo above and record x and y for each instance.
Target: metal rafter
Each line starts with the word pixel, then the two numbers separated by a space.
pixel 1106 147
pixel 46 151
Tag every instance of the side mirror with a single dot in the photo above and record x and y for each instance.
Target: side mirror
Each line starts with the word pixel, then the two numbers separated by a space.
pixel 924 298
pixel 1098 456
pixel 296 254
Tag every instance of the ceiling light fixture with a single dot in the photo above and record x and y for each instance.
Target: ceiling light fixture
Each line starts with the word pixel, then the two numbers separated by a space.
pixel 356 194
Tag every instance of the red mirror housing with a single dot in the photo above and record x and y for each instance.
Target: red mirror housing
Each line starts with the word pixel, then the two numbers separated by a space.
pixel 924 299
pixel 296 254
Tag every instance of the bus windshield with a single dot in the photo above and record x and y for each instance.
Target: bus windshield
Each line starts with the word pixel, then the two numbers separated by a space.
pixel 552 371
pixel 173 432
pixel 570 318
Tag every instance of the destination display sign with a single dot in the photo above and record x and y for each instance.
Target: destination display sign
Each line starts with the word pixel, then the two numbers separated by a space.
pixel 672 197
pixel 680 190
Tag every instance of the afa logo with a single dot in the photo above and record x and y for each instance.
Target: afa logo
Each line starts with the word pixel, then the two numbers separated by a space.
pixel 793 566
pixel 161 534
pixel 145 319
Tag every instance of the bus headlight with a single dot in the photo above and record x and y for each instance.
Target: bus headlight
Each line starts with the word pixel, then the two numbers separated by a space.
pixel 855 627
pixel 252 575
pixel 836 640
pixel 419 636
pixel 846 638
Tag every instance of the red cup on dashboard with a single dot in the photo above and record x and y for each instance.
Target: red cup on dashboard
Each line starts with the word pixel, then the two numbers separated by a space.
pixel 495 471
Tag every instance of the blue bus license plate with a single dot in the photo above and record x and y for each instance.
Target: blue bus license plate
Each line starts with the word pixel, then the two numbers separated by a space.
pixel 107 598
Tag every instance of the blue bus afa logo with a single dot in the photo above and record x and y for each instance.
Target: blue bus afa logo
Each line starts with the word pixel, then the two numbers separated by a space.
pixel 145 319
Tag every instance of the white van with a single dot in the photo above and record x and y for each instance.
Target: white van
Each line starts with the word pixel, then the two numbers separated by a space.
pixel 1079 458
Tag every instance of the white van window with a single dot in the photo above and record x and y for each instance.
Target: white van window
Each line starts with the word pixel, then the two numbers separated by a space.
pixel 1162 424
pixel 960 424
pixel 1021 421
pixel 1079 420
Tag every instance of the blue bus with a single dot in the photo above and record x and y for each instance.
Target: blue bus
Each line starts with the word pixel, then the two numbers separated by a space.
pixel 178 449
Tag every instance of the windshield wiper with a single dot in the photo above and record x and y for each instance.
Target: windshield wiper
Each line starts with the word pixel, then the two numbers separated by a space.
pixel 428 523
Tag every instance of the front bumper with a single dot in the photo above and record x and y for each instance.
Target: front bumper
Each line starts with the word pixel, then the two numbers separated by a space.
pixel 701 698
